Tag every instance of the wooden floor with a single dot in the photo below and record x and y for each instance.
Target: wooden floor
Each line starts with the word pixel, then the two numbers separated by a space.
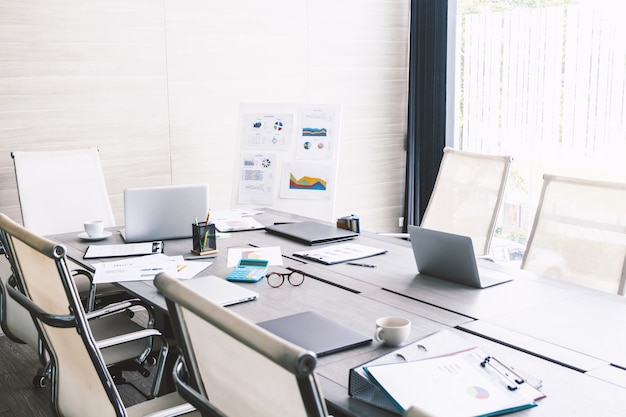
pixel 18 396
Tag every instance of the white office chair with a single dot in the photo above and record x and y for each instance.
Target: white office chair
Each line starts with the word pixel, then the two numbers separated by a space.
pixel 579 233
pixel 79 361
pixel 236 368
pixel 468 195
pixel 58 191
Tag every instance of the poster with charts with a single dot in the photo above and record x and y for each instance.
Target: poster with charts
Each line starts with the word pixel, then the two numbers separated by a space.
pixel 302 141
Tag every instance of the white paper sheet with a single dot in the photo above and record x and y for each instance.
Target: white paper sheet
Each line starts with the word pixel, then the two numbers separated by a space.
pixel 272 254
pixel 137 268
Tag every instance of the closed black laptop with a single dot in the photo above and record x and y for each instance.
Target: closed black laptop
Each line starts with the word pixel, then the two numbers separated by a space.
pixel 316 333
pixel 312 233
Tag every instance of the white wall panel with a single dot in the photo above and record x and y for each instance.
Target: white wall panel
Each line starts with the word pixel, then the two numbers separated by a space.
pixel 78 74
pixel 157 85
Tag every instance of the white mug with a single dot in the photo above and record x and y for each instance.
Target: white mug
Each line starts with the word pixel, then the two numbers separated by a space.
pixel 392 331
pixel 94 228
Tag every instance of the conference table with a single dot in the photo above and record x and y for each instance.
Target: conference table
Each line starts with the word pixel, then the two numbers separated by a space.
pixel 572 338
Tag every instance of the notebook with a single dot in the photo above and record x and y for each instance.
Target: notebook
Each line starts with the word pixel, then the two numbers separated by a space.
pixel 166 212
pixel 451 257
pixel 220 291
pixel 312 233
pixel 316 333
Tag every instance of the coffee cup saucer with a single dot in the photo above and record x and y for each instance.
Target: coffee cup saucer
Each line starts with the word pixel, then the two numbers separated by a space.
pixel 85 236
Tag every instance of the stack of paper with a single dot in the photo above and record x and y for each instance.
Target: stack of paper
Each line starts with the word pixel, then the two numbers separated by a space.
pixel 146 268
pixel 235 220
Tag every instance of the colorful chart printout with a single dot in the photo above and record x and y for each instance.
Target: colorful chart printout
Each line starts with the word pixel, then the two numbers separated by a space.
pixel 306 180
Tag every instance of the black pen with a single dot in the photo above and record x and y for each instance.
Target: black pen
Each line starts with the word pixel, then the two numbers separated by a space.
pixel 363 265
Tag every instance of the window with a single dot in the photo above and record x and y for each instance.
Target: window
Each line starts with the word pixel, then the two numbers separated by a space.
pixel 544 81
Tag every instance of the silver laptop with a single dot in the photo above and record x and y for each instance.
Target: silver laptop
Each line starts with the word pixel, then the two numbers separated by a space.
pixel 220 291
pixel 451 257
pixel 166 212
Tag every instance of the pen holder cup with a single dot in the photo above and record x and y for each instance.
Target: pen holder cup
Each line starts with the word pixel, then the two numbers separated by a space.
pixel 203 237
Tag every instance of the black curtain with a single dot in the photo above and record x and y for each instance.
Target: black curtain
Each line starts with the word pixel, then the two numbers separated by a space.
pixel 427 103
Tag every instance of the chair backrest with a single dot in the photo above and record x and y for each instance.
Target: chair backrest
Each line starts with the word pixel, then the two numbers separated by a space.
pixel 468 195
pixel 231 360
pixel 81 385
pixel 60 190
pixel 579 233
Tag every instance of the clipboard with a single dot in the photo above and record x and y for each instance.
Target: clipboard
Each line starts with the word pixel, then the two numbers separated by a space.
pixel 437 345
pixel 125 249
pixel 458 384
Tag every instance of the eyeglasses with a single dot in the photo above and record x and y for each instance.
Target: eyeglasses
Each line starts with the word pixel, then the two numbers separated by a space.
pixel 276 279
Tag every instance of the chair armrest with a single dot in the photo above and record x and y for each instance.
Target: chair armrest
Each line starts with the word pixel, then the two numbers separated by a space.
pixel 55 320
pixel 192 395
pixel 173 411
pixel 129 337
pixel 117 307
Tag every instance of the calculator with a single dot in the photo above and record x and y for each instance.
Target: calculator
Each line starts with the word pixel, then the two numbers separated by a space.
pixel 249 270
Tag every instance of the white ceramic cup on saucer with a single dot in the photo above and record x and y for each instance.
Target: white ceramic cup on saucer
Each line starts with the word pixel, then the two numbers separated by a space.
pixel 392 331
pixel 94 228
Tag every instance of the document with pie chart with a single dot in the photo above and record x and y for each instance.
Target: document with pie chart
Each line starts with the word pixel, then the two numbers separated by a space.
pixel 454 385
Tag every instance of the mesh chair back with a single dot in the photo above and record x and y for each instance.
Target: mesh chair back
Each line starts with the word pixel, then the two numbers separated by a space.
pixel 467 196
pixel 79 376
pixel 241 368
pixel 579 233
pixel 60 190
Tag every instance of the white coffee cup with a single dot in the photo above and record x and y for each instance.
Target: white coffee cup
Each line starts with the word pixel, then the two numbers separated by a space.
pixel 392 331
pixel 94 228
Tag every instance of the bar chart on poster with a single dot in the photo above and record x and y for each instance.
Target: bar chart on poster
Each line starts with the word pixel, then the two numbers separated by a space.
pixel 288 158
